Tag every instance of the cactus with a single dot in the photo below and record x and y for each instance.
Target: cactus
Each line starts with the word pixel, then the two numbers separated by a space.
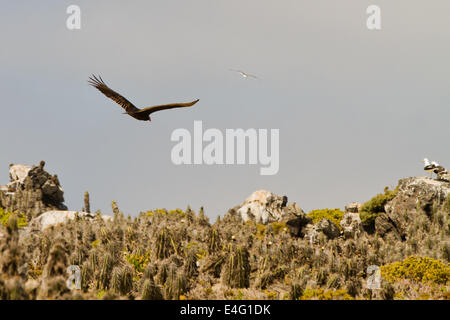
pixel 176 284
pixel 296 290
pixel 236 273
pixel 190 215
pixel 202 218
pixel 150 291
pixel 57 262
pixel 115 208
pixel 105 272
pixel 86 275
pixel 87 205
pixel 190 264
pixel 122 280
pixel 165 244
pixel 213 241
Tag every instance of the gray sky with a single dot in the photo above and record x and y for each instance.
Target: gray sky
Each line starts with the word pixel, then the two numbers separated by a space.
pixel 356 109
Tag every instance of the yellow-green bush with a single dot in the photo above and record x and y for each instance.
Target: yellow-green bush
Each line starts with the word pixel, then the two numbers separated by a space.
pixel 322 294
pixel 164 212
pixel 372 208
pixel 4 217
pixel 334 215
pixel 138 261
pixel 421 269
pixel 261 229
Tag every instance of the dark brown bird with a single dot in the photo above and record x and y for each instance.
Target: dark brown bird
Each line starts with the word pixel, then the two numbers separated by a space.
pixel 139 114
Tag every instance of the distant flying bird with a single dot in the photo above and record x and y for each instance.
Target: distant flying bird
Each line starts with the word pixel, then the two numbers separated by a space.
pixel 139 114
pixel 245 75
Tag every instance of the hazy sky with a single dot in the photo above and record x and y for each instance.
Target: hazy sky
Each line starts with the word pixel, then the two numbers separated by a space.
pixel 356 109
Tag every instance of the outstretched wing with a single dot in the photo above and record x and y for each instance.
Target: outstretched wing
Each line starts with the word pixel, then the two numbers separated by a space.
pixel 244 74
pixel 149 110
pixel 117 98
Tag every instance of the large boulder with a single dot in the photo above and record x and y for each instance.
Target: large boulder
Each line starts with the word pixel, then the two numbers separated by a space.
pixel 325 226
pixel 444 176
pixel 415 197
pixel 32 190
pixel 263 207
pixel 296 219
pixel 329 228
pixel 53 218
pixel 18 172
pixel 351 222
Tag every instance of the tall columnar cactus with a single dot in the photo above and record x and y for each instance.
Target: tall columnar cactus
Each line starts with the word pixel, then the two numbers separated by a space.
pixel 236 273
pixel 176 284
pixel 122 280
pixel 11 256
pixel 150 291
pixel 190 215
pixel 202 218
pixel 57 262
pixel 213 241
pixel 87 204
pixel 115 208
pixel 165 244
pixel 105 272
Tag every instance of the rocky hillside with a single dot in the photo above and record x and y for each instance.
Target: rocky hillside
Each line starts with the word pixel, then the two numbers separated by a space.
pixel 264 248
pixel 31 191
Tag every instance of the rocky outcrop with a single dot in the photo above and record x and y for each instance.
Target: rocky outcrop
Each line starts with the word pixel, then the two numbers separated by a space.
pixel 444 176
pixel 351 222
pixel 295 219
pixel 416 197
pixel 32 191
pixel 263 207
pixel 53 218
pixel 325 226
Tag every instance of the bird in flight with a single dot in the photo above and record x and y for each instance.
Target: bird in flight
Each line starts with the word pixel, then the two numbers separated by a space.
pixel 244 75
pixel 130 109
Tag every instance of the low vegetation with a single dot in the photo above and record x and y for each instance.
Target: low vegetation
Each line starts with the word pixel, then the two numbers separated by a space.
pixel 335 215
pixel 372 208
pixel 180 254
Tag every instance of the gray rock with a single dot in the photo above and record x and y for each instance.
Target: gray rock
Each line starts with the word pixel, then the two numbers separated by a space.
pixel 263 207
pixel 32 190
pixel 444 176
pixel 296 219
pixel 329 228
pixel 53 218
pixel 416 196
pixel 353 207
pixel 325 226
pixel 351 222
pixel 311 232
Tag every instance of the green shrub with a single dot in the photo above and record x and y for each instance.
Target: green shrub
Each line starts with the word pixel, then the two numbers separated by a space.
pixel 335 215
pixel 164 212
pixel 372 208
pixel 138 261
pixel 4 217
pixel 420 269
pixel 321 294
